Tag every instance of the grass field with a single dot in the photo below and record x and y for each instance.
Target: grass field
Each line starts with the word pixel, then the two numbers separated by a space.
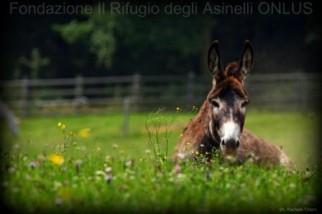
pixel 87 164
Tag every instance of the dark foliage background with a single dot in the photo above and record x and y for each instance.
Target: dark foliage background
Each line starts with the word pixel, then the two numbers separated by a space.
pixel 102 45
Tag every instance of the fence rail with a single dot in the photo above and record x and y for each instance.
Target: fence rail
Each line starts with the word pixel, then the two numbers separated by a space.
pixel 30 96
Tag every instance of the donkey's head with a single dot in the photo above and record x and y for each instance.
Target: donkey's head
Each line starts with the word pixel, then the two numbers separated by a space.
pixel 228 98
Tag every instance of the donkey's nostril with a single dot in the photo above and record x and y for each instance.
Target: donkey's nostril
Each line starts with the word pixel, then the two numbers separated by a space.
pixel 231 143
pixel 223 142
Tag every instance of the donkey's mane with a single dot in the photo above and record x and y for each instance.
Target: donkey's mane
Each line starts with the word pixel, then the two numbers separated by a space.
pixel 229 79
pixel 231 69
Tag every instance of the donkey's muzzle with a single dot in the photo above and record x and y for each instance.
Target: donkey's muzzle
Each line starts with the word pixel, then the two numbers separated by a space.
pixel 231 144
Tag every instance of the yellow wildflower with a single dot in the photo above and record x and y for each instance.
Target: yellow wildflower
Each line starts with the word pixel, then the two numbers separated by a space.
pixel 61 125
pixel 84 133
pixel 56 159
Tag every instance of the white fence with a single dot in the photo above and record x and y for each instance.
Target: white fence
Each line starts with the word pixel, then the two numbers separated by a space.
pixel 140 93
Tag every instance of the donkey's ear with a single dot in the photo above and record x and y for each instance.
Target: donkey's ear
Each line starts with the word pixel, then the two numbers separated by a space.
pixel 247 59
pixel 214 63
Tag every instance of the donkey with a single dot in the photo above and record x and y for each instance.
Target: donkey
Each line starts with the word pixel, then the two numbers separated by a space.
pixel 219 124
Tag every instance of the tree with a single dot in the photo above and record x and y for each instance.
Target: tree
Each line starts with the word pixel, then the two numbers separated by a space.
pixel 95 33
pixel 122 44
pixel 35 64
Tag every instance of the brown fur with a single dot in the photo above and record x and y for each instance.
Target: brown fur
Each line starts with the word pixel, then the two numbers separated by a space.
pixel 197 139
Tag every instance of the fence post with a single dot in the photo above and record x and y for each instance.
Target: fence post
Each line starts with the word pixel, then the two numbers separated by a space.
pixel 24 96
pixel 190 89
pixel 79 86
pixel 79 90
pixel 126 113
pixel 136 88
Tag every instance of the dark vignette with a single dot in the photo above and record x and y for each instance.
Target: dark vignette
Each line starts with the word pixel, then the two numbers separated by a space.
pixel 313 57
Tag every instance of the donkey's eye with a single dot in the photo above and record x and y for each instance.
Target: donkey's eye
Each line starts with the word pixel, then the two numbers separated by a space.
pixel 214 102
pixel 244 104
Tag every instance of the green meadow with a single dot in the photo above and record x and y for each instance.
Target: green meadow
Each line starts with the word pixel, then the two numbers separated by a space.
pixel 90 163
